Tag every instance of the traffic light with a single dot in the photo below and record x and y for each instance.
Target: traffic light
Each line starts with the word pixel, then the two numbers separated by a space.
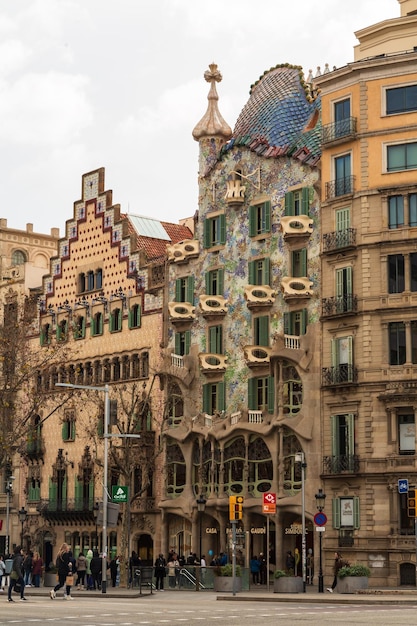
pixel 411 503
pixel 235 507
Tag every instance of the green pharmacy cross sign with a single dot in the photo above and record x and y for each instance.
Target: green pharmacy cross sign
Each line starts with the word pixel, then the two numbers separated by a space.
pixel 119 494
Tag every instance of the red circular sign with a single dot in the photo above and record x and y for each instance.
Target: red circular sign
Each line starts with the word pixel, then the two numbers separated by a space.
pixel 320 519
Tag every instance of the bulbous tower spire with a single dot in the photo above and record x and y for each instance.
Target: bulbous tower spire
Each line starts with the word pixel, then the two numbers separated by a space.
pixel 212 124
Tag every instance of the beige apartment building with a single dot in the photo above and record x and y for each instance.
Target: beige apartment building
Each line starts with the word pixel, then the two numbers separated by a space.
pixel 369 297
pixel 24 259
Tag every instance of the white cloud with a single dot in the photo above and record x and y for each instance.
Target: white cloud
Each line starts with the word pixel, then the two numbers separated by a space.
pixel 44 108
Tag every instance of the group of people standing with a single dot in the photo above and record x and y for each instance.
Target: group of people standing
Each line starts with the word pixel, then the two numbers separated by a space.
pixel 87 568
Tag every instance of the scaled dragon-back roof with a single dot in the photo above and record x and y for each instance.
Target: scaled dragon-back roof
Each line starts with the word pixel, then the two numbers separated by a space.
pixel 280 118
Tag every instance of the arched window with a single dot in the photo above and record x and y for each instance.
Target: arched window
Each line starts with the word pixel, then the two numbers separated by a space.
pixel 175 470
pixel 234 463
pixel 260 467
pixel 292 389
pixel 18 257
pixel 292 469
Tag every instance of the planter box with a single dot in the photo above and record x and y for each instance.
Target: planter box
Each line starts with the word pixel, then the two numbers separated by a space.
pixel 288 584
pixel 49 579
pixel 225 583
pixel 351 584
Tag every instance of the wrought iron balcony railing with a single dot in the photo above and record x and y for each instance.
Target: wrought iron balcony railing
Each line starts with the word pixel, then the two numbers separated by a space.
pixel 343 129
pixel 339 375
pixel 339 187
pixel 339 305
pixel 339 239
pixel 341 464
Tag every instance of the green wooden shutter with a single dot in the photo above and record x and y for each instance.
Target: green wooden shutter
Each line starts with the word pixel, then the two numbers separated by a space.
pixel 263 330
pixel 304 319
pixel 221 396
pixel 220 281
pixel 252 221
pixel 267 271
pixel 267 216
pixel 334 429
pixel 350 418
pixel 287 322
pixel 222 226
pixel 178 290
pixel 252 386
pixel 356 513
pixel 187 342
pixel 78 495
pixel 289 203
pixel 207 279
pixel 100 324
pixel 271 394
pixel 342 219
pixel 303 258
pixel 53 490
pixel 305 200
pixel 177 343
pixel 251 269
pixel 65 431
pixel 92 326
pixel 190 289
pixel 336 512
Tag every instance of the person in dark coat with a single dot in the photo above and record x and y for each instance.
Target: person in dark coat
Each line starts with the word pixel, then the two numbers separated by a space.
pixel 96 567
pixel 16 575
pixel 114 566
pixel 160 572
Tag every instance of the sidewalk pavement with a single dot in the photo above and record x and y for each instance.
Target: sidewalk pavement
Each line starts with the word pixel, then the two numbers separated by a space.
pixel 396 596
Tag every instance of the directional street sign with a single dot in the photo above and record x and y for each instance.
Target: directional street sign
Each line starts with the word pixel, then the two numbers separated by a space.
pixel 403 485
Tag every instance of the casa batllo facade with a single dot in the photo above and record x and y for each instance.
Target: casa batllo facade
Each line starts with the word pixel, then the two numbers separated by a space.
pixel 242 358
pixel 103 299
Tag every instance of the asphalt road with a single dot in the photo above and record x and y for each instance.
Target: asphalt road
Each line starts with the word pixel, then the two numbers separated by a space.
pixel 191 609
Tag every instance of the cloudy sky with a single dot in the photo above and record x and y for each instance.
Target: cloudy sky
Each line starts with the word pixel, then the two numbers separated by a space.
pixel 100 83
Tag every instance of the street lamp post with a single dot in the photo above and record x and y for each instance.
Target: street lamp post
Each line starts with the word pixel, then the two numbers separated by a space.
pixel 9 491
pixel 201 505
pixel 320 500
pixel 23 514
pixel 104 389
pixel 300 458
pixel 95 513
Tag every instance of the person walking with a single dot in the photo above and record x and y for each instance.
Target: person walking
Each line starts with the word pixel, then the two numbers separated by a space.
pixel 262 569
pixel 290 563
pixel 63 566
pixel 81 568
pixel 338 563
pixel 16 575
pixel 160 572
pixel 37 569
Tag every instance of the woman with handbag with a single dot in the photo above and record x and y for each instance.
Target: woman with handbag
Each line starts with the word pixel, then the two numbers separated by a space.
pixel 16 575
pixel 64 567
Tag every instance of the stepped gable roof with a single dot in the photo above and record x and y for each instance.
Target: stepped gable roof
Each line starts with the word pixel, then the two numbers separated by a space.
pixel 153 236
pixel 280 118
